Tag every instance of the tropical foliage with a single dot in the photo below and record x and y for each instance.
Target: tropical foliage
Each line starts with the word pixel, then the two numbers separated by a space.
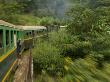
pixel 78 53
pixel 84 45
pixel 30 12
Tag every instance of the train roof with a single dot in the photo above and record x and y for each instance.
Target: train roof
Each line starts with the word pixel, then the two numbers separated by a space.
pixel 6 24
pixel 63 26
pixel 19 27
pixel 33 27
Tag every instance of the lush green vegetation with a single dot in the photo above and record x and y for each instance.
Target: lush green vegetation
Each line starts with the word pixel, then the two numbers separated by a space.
pixel 78 53
pixel 30 12
pixel 48 59
pixel 83 47
pixel 76 60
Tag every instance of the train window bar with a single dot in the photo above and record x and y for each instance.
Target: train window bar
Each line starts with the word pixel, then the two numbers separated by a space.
pixel 1 38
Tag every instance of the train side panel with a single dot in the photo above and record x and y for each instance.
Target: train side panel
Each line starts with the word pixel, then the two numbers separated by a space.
pixel 7 50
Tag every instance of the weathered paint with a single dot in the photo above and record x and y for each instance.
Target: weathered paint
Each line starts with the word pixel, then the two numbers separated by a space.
pixel 6 64
pixel 6 55
pixel 7 74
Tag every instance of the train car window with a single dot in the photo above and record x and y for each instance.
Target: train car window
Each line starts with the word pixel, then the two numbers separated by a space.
pixel 33 33
pixel 11 36
pixel 30 33
pixel 27 34
pixel 1 38
pixel 17 35
pixel 7 37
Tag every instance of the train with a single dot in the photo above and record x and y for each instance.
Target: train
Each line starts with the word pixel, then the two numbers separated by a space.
pixel 14 39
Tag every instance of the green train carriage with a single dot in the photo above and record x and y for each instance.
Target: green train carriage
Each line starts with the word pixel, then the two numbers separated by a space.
pixel 31 33
pixel 9 35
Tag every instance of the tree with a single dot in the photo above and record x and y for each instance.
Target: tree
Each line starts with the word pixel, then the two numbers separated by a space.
pixel 83 20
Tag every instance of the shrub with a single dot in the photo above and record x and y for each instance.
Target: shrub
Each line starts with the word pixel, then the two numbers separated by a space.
pixel 59 38
pixel 47 58
pixel 70 45
pixel 82 20
pixel 79 49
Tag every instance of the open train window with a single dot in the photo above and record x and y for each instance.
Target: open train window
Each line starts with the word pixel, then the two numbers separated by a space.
pixel 33 33
pixel 17 35
pixel 11 36
pixel 27 33
pixel 1 38
pixel 7 37
pixel 30 33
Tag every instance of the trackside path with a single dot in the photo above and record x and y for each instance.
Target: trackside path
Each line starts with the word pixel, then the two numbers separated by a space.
pixel 24 70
